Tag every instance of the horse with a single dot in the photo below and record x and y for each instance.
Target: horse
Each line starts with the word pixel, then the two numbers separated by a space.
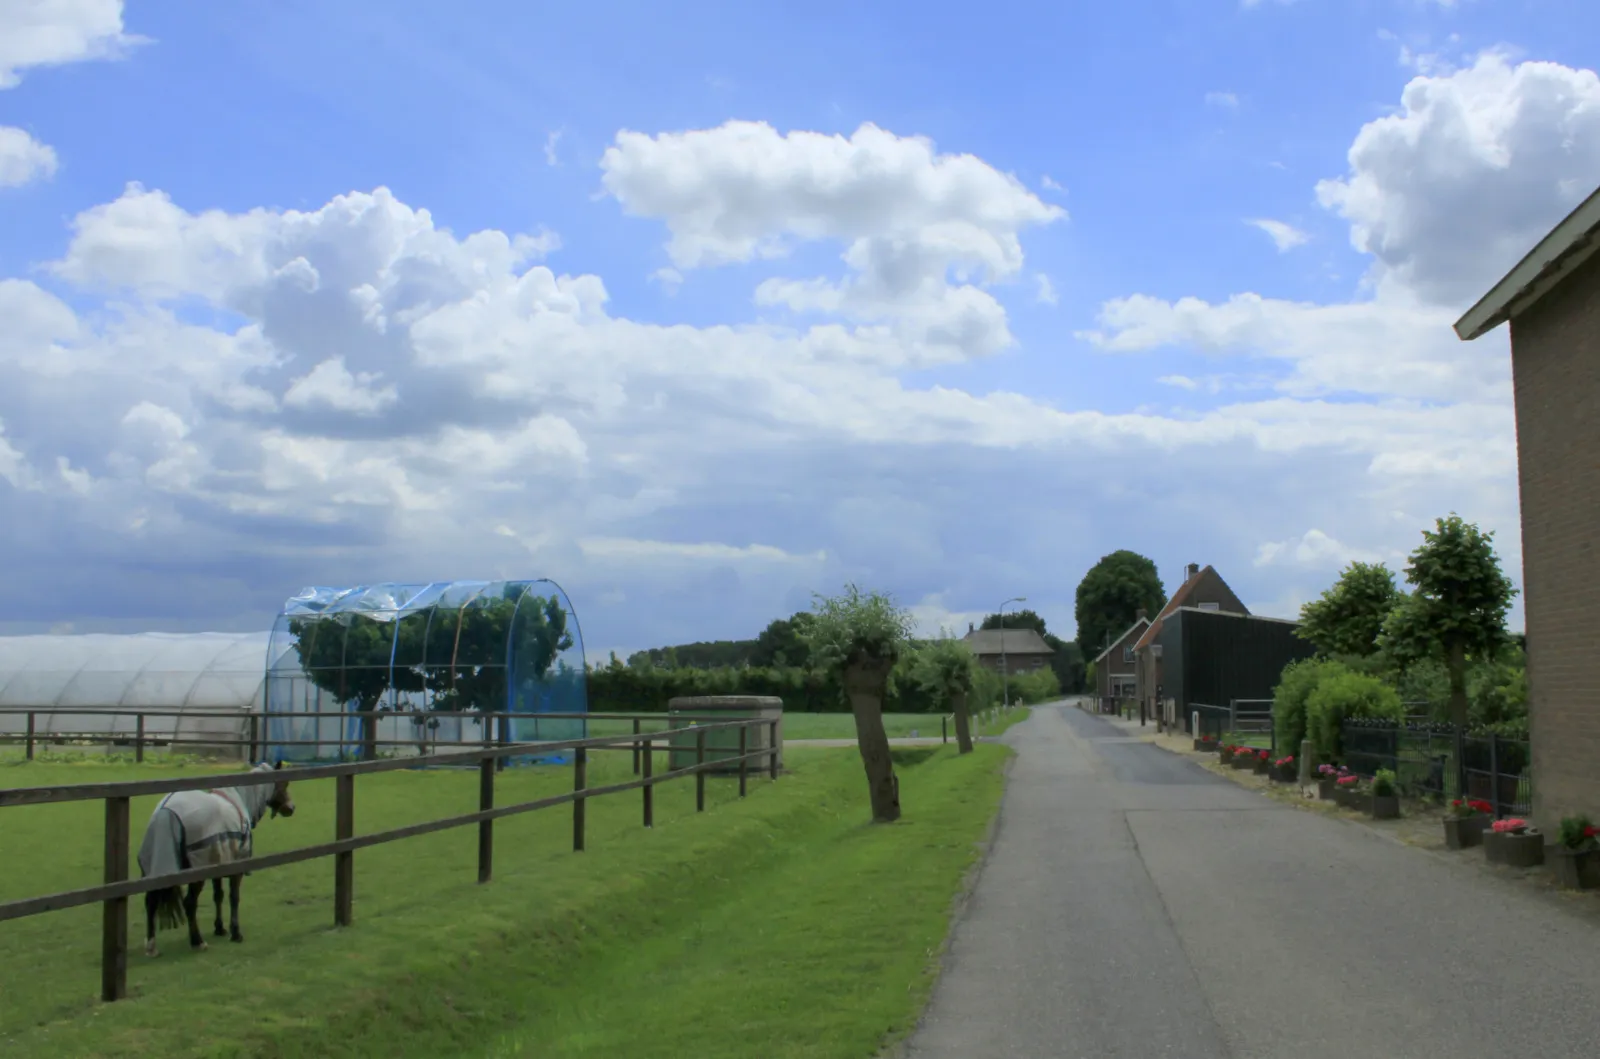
pixel 198 829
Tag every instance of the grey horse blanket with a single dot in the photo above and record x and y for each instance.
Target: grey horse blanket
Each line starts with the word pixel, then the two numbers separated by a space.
pixel 202 829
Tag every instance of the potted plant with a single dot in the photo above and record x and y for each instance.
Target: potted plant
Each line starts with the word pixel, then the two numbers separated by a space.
pixel 1205 744
pixel 1285 770
pixel 1263 763
pixel 1464 822
pixel 1327 776
pixel 1346 789
pixel 1385 796
pixel 1577 851
pixel 1225 754
pixel 1514 843
pixel 1243 757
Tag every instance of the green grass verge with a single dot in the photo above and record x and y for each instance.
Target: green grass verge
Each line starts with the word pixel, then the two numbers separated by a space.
pixel 811 725
pixel 1004 721
pixel 780 926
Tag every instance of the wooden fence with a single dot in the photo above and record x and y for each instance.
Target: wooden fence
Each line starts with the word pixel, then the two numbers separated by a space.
pixel 257 738
pixel 118 887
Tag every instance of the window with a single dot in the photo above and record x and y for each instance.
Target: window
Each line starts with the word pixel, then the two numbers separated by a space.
pixel 1211 606
pixel 1127 653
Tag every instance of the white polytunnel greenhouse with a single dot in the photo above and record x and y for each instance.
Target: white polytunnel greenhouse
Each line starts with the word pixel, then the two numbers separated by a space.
pixel 199 689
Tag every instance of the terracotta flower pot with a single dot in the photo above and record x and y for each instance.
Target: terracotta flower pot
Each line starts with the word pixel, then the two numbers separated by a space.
pixel 1464 832
pixel 1576 869
pixel 1386 807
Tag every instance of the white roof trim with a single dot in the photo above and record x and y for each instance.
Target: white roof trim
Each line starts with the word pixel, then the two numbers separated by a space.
pixel 1569 245
pixel 1138 622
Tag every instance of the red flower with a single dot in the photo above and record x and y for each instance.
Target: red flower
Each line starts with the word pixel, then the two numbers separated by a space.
pixel 1263 755
pixel 1591 831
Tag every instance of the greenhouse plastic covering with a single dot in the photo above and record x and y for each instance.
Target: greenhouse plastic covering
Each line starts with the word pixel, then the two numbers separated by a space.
pixel 403 652
pixel 75 682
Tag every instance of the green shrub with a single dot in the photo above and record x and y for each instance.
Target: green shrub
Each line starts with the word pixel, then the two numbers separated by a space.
pixel 1342 695
pixel 1383 783
pixel 1040 685
pixel 1295 685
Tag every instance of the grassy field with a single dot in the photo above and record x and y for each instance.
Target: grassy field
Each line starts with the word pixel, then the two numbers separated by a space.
pixel 780 926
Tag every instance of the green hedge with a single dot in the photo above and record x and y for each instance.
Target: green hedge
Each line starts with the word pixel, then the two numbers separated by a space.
pixel 1344 694
pixel 1289 699
pixel 626 689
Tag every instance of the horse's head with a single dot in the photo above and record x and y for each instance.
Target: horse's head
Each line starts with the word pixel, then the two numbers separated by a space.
pixel 281 802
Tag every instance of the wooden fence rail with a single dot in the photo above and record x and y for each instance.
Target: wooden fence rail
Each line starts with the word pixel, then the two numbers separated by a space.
pixel 118 886
pixel 254 744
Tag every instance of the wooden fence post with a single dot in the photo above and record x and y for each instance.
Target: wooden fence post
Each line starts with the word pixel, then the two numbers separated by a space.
pixel 580 780
pixel 487 766
pixel 772 745
pixel 255 739
pixel 649 788
pixel 944 729
pixel 114 917
pixel 30 735
pixel 344 863
pixel 138 738
pixel 699 774
pixel 744 766
pixel 636 747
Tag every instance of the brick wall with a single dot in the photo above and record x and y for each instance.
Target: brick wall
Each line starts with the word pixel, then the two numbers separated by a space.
pixel 1556 363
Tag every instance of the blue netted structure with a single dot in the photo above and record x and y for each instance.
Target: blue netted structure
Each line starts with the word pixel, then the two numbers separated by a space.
pixel 414 662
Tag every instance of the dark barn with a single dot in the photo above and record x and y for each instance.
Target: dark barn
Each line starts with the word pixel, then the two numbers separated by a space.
pixel 1214 657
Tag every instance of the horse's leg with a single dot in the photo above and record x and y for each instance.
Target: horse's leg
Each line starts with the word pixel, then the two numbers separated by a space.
pixel 151 899
pixel 216 896
pixel 234 882
pixel 191 908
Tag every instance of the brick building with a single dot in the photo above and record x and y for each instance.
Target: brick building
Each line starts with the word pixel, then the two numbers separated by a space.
pixel 1116 669
pixel 1016 650
pixel 1552 302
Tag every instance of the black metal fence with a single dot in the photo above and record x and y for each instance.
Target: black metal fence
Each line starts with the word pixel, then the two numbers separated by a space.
pixel 1440 761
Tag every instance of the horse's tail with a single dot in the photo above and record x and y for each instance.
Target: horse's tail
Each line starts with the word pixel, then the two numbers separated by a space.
pixel 169 907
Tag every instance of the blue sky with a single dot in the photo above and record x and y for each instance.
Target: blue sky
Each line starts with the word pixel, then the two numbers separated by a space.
pixel 698 452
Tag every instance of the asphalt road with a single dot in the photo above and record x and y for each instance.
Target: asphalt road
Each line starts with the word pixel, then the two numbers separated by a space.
pixel 1136 905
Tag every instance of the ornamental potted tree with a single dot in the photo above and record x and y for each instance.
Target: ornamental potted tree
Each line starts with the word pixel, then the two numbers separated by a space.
pixel 1263 764
pixel 1513 843
pixel 1577 851
pixel 1385 796
pixel 1464 822
pixel 1327 776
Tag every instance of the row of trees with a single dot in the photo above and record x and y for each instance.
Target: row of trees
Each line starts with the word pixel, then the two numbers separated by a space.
pixel 781 661
pixel 1381 650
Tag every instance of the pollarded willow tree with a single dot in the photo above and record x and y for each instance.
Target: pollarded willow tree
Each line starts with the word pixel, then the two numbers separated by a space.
pixel 1457 608
pixel 860 635
pixel 1348 618
pixel 945 667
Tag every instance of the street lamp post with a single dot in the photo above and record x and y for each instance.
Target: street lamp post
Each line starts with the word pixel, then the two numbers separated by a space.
pixel 1005 680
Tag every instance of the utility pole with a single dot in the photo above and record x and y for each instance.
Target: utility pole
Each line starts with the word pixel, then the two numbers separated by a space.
pixel 1005 680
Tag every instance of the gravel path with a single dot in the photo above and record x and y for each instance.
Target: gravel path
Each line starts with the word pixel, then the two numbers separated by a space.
pixel 1135 904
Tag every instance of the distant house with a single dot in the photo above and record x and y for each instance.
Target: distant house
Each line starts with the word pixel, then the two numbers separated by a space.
pixel 1552 302
pixel 1116 670
pixel 1202 589
pixel 1018 650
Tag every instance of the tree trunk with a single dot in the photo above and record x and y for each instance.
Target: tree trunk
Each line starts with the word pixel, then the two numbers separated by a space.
pixel 1457 665
pixel 958 706
pixel 865 683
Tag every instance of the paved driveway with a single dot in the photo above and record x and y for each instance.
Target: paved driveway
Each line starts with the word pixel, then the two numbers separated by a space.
pixel 1136 905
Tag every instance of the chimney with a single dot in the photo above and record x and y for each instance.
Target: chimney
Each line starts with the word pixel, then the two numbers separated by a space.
pixel 970 629
pixel 1139 615
pixel 1190 572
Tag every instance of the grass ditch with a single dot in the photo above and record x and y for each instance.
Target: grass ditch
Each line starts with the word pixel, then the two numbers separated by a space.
pixel 781 926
